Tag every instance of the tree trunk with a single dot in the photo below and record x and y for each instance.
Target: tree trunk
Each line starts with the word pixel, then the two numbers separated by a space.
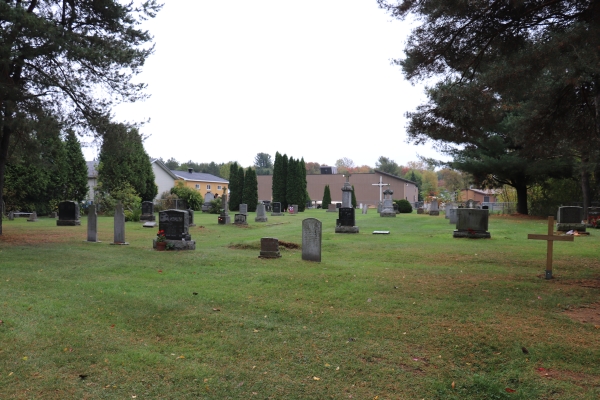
pixel 521 199
pixel 4 140
pixel 585 190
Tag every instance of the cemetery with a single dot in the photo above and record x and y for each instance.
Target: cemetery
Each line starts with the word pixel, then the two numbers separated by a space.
pixel 287 308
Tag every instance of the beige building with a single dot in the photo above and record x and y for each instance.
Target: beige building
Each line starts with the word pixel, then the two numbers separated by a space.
pixel 366 187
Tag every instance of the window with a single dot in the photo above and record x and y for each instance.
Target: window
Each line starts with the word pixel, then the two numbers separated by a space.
pixel 207 187
pixel 486 199
pixel 197 186
pixel 219 187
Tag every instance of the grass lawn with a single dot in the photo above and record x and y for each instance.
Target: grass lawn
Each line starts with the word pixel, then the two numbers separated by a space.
pixel 411 315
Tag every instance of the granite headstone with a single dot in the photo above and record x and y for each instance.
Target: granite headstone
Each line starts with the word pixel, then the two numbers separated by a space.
pixel 312 231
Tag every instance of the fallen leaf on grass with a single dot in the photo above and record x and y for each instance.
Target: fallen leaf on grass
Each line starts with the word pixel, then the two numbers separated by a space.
pixel 180 357
pixel 25 358
pixel 216 309
pixel 316 378
pixel 160 271
pixel 453 385
pixel 10 374
pixel 195 293
pixel 524 350
pixel 256 330
pixel 509 390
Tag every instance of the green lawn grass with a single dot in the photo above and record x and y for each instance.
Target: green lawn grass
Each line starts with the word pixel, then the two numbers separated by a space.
pixel 411 315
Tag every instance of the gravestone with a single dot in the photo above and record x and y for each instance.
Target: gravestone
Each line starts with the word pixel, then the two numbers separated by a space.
pixel 147 211
pixel 346 221
pixel 379 207
pixel 175 224
pixel 224 218
pixel 53 214
pixel 593 215
pixel 119 227
pixel 434 209
pixel 191 217
pixel 33 217
pixel 261 213
pixel 293 209
pixel 396 209
pixel 447 208
pixel 68 214
pixel 365 208
pixel 472 223
pixel 11 216
pixel 276 209
pixel 420 210
pixel 244 209
pixel 312 231
pixel 452 215
pixel 472 204
pixel 347 193
pixel 331 208
pixel 388 208
pixel 239 219
pixel 92 224
pixel 269 248
pixel 207 199
pixel 570 218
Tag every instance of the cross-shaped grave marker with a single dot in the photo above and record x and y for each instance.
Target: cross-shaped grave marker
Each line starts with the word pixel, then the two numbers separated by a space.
pixel 550 237
pixel 381 185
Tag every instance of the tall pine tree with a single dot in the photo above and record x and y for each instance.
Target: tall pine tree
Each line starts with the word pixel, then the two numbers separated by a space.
pixel 326 198
pixel 76 186
pixel 306 199
pixel 251 189
pixel 234 187
pixel 295 192
pixel 279 185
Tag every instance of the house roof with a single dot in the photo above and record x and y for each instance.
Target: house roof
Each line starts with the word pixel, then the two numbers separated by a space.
pixel 198 177
pixel 91 167
pixel 394 176
pixel 485 191
pixel 164 167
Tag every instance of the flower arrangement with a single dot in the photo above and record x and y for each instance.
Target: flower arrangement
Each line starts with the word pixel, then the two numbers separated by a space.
pixel 160 236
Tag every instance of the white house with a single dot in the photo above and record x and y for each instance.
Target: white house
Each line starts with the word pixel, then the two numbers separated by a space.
pixel 163 177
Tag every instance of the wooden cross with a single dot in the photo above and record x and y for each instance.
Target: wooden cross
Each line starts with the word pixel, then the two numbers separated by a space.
pixel 550 237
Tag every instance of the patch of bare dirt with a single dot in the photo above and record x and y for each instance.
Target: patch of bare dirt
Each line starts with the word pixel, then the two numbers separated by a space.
pixel 587 315
pixel 518 216
pixel 576 378
pixel 289 245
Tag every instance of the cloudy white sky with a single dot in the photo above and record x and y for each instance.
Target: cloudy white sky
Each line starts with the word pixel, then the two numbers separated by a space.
pixel 312 79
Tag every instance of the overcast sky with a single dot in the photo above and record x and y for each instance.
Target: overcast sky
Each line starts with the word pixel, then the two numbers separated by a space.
pixel 312 79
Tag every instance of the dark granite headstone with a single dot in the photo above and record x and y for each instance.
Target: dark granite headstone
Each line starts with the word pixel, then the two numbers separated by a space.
pixel 147 211
pixel 472 223
pixel 68 214
pixel 276 210
pixel 570 218
pixel 269 248
pixel 240 219
pixel 175 223
pixel 346 221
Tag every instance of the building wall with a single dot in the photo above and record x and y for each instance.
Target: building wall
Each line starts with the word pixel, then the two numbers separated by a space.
pixel 476 195
pixel 163 180
pixel 364 190
pixel 202 187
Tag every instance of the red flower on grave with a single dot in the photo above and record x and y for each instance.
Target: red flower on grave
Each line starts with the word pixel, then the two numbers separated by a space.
pixel 160 236
pixel 471 231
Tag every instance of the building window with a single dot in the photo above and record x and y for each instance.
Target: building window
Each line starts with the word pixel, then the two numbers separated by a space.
pixel 219 187
pixel 486 199
pixel 197 186
pixel 207 187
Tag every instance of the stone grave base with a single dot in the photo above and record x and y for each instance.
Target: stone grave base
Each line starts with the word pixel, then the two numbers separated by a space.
pixel 260 219
pixel 420 211
pixel 472 234
pixel 276 214
pixel 381 232
pixel 240 223
pixel 120 244
pixel 436 213
pixel 179 244
pixel 269 254
pixel 65 222
pixel 224 220
pixel 147 217
pixel 149 224
pixel 346 229
pixel 567 227
pixel 388 214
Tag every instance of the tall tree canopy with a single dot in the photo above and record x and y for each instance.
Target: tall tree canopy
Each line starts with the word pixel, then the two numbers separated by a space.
pixel 279 185
pixel 250 196
pixel 76 185
pixel 263 164
pixel 525 74
pixel 123 160
pixel 69 59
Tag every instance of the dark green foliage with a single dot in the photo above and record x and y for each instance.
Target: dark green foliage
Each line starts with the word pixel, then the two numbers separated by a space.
pixel 385 164
pixel 37 172
pixel 123 160
pixel 76 186
pixel 302 168
pixel 353 198
pixel 296 190
pixel 404 206
pixel 279 185
pixel 126 194
pixel 236 186
pixel 215 206
pixel 70 61
pixel 192 198
pixel 250 190
pixel 418 181
pixel 326 198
